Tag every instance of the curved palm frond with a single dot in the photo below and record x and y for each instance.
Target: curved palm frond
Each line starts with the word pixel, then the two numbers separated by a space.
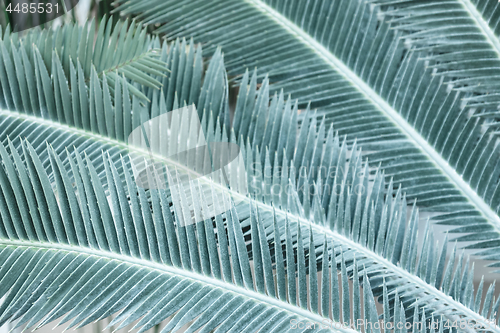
pixel 70 58
pixel 357 72
pixel 462 40
pixel 362 224
pixel 120 256
pixel 99 104
pixel 131 227
pixel 353 222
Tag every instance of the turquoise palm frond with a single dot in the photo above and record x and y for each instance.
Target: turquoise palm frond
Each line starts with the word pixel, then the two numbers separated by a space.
pixel 364 225
pixel 461 38
pixel 346 135
pixel 148 227
pixel 344 59
pixel 68 59
pixel 90 265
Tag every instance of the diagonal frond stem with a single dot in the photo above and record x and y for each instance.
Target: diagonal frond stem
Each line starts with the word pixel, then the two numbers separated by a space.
pixel 391 269
pixel 391 113
pixel 482 24
pixel 125 64
pixel 140 263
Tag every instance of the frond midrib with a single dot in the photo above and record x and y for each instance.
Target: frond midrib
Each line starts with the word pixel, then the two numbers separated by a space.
pixel 127 63
pixel 392 114
pixel 417 281
pixel 97 137
pixel 482 24
pixel 397 271
pixel 180 272
pixel 319 229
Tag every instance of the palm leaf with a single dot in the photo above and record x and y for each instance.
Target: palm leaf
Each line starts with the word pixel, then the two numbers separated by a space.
pixel 357 72
pixel 462 38
pixel 89 105
pixel 351 221
pixel 102 244
pixel 91 269
pixel 351 226
pixel 58 55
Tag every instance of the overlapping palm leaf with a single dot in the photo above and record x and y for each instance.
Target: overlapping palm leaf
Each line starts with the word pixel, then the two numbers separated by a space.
pixel 366 225
pixel 343 58
pixel 461 37
pixel 350 219
pixel 101 257
pixel 66 63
